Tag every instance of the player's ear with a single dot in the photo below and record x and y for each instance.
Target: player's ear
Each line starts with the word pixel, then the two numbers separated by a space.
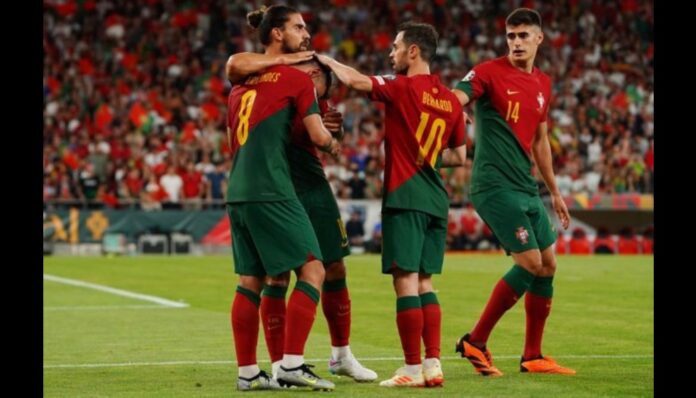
pixel 413 51
pixel 540 37
pixel 277 34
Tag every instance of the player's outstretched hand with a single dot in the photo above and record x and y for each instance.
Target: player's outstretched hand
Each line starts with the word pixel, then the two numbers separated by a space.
pixel 324 59
pixel 294 58
pixel 561 209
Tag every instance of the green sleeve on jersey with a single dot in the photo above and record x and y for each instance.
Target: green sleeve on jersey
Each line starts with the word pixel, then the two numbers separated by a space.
pixel 464 86
pixel 314 108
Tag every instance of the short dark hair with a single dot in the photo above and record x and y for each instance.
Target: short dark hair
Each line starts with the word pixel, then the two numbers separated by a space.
pixel 325 70
pixel 523 16
pixel 266 19
pixel 422 35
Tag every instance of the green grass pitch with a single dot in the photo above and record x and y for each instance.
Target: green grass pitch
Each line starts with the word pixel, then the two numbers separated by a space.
pixel 98 344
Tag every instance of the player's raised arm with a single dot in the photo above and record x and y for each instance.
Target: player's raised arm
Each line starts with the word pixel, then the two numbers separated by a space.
pixel 541 151
pixel 243 64
pixel 349 76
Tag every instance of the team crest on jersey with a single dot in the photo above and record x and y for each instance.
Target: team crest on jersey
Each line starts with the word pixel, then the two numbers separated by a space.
pixel 435 90
pixel 540 99
pixel 522 235
pixel 469 76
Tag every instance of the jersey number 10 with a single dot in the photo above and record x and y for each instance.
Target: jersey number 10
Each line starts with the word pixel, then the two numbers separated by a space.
pixel 437 129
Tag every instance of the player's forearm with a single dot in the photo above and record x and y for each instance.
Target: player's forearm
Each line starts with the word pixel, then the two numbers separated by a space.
pixel 350 77
pixel 320 136
pixel 541 150
pixel 243 64
pixel 461 96
pixel 454 157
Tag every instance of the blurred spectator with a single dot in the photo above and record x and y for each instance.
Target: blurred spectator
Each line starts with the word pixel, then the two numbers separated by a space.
pixel 647 242
pixel 628 242
pixel 88 183
pixel 216 183
pixel 471 228
pixel 579 244
pixel 193 187
pixel 172 184
pixel 355 229
pixel 374 245
pixel 604 243
pixel 153 194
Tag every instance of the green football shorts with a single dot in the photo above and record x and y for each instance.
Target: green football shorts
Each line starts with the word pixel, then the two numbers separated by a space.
pixel 518 219
pixel 412 241
pixel 321 207
pixel 269 238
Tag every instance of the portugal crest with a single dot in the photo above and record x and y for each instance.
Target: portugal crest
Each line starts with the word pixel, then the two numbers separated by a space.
pixel 522 235
pixel 540 99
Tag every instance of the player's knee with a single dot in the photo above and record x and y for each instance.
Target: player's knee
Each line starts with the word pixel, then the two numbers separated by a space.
pixel 548 267
pixel 312 273
pixel 282 280
pixel 425 285
pixel 253 283
pixel 531 264
pixel 335 271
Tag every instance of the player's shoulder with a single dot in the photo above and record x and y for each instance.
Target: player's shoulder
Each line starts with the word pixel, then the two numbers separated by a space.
pixel 383 80
pixel 493 64
pixel 445 92
pixel 543 78
pixel 235 91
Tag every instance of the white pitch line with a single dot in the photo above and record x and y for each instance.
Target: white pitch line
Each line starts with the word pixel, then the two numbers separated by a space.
pixel 172 363
pixel 104 307
pixel 118 292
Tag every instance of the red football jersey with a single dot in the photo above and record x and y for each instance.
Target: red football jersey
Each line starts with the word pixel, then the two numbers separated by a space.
pixel 422 117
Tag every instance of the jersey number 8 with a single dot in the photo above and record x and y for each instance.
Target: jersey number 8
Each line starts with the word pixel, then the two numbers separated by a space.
pixel 244 113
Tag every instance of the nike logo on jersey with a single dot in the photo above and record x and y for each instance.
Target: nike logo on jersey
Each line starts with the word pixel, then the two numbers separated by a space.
pixel 510 92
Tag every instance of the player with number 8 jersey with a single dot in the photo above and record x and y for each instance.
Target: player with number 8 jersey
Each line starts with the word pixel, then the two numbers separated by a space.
pixel 260 132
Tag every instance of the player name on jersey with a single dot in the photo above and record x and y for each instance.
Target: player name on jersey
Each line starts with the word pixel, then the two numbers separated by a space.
pixel 441 104
pixel 270 77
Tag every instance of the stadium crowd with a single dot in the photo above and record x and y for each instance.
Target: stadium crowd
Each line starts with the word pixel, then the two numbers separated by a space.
pixel 135 93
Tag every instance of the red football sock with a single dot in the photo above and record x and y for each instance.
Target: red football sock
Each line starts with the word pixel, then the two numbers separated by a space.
pixel 502 299
pixel 273 319
pixel 432 320
pixel 537 310
pixel 245 325
pixel 335 301
pixel 299 318
pixel 409 321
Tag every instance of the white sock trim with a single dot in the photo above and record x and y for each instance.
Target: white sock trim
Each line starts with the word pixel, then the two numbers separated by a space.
pixel 338 353
pixel 292 361
pixel 249 371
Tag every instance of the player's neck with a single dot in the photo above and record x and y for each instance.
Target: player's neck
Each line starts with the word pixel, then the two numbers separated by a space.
pixel 525 66
pixel 273 49
pixel 419 68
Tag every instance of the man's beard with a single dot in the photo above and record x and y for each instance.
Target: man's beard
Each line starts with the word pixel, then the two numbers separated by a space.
pixel 305 45
pixel 399 69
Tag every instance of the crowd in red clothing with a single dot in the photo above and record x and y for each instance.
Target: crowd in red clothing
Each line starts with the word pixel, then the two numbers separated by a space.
pixel 135 94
